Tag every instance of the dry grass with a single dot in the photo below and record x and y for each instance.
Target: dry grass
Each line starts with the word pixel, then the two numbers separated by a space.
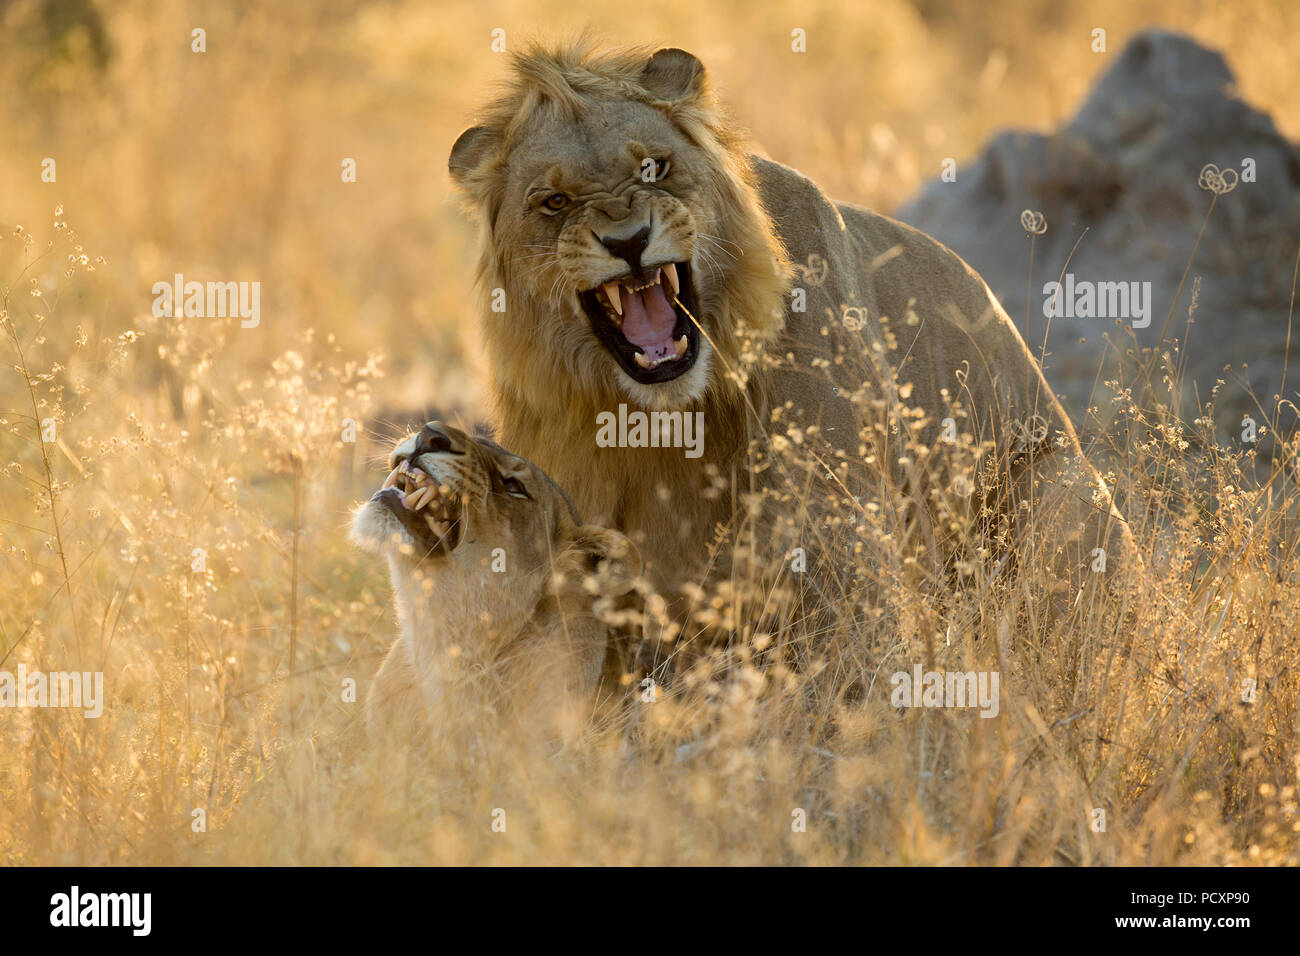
pixel 224 678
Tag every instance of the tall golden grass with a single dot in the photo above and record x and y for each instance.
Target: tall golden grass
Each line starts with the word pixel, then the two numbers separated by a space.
pixel 183 532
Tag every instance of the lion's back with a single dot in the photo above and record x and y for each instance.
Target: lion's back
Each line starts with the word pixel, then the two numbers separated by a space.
pixel 867 274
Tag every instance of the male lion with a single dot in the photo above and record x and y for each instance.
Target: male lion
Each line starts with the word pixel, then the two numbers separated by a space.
pixel 648 260
pixel 495 581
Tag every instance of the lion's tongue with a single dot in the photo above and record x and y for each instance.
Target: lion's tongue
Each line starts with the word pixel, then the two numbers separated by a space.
pixel 648 318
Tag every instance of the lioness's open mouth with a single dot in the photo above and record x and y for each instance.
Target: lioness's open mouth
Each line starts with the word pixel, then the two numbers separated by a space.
pixel 431 517
pixel 643 324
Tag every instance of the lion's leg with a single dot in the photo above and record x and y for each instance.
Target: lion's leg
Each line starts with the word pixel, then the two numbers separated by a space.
pixel 551 677
pixel 394 696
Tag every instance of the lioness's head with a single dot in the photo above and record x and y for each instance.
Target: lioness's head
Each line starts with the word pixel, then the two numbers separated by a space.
pixel 622 224
pixel 481 525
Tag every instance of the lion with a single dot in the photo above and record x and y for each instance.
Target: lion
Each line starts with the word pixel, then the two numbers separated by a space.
pixel 496 584
pixel 650 262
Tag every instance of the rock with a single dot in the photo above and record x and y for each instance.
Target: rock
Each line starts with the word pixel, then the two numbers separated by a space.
pixel 1126 170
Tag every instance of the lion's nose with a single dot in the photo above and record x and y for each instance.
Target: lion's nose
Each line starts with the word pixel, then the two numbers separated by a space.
pixel 629 248
pixel 432 438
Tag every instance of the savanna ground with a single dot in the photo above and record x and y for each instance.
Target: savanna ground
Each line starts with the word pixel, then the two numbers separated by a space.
pixel 183 531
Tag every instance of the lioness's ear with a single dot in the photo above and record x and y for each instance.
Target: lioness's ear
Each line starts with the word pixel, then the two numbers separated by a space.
pixel 469 151
pixel 673 74
pixel 609 557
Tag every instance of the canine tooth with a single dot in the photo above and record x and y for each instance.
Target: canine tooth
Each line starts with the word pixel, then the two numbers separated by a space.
pixel 392 478
pixel 670 273
pixel 614 296
pixel 642 360
pixel 680 346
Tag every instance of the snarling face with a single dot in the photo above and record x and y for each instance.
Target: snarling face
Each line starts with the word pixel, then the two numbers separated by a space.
pixel 462 521
pixel 607 224
pixel 454 497
pixel 621 218
pixel 610 228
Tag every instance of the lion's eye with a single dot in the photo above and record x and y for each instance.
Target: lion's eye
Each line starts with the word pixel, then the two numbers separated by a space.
pixel 515 488
pixel 555 201
pixel 661 169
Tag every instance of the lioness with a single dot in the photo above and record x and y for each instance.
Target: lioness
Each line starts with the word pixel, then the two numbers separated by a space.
pixel 648 260
pixel 495 581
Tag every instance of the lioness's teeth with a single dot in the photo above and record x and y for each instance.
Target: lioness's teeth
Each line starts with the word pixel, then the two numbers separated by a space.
pixel 680 346
pixel 642 360
pixel 670 273
pixel 614 296
pixel 418 498
pixel 392 477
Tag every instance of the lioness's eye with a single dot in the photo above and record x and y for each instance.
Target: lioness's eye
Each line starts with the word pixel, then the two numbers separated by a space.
pixel 555 201
pixel 515 488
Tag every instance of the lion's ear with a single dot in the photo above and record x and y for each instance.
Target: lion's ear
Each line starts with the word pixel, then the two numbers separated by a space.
pixel 608 557
pixel 672 74
pixel 469 151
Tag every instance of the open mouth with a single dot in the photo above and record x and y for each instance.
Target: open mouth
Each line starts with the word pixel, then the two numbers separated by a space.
pixel 643 322
pixel 431 517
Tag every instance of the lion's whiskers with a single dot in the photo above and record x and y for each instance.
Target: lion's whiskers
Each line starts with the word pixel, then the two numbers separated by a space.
pixel 714 268
pixel 719 242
